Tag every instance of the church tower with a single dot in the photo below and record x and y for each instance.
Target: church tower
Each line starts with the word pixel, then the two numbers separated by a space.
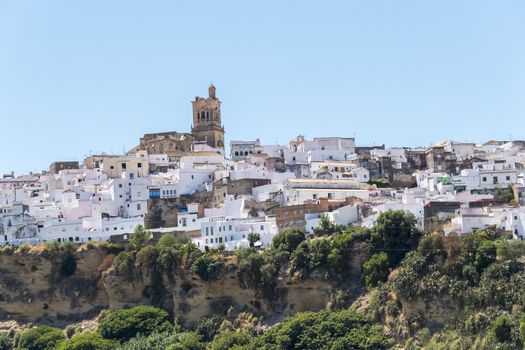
pixel 207 125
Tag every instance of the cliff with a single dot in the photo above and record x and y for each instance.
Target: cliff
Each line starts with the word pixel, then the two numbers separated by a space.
pixel 32 289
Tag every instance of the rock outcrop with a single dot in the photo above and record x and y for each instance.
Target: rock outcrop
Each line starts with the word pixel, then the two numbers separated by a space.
pixel 32 289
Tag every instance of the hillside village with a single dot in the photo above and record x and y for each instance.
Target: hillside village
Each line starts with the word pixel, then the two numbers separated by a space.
pixel 185 183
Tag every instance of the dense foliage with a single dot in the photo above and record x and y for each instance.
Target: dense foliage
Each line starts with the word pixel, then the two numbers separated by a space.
pixel 481 280
pixel 40 338
pixel 125 324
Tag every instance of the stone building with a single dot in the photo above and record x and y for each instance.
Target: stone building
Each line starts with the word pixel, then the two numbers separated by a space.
pixel 207 125
pixel 207 128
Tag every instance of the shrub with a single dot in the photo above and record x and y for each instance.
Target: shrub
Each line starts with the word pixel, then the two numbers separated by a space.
pixel 376 269
pixel 125 324
pixel 340 330
pixel 6 343
pixel 207 267
pixel 40 338
pixel 208 327
pixel 501 329
pixel 164 341
pixel 88 341
pixel 230 341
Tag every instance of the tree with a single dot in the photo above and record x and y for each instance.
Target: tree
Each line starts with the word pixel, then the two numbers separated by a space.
pixel 139 238
pixel 288 239
pixel 376 269
pixel 88 341
pixel 396 233
pixel 253 238
pixel 325 227
pixel 125 324
pixel 167 240
pixel 40 338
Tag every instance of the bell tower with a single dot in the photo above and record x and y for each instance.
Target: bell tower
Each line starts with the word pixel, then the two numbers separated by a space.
pixel 207 125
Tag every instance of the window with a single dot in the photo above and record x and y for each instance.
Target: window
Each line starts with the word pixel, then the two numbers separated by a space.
pixel 211 231
pixel 112 167
pixel 330 195
pixel 314 196
pixel 206 240
pixel 139 165
pixel 484 179
pixel 207 231
pixel 495 179
pixel 123 165
pixel 119 185
pixel 236 153
pixel 139 206
pixel 262 227
pixel 230 227
pixel 507 178
pixel 131 177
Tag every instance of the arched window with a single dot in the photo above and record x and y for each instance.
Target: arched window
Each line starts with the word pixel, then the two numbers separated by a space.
pixel 246 153
pixel 236 153
pixel 207 116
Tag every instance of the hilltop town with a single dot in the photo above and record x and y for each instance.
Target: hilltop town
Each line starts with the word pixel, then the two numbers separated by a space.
pixel 184 183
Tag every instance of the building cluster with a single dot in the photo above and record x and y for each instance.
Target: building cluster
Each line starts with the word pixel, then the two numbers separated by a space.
pixel 185 183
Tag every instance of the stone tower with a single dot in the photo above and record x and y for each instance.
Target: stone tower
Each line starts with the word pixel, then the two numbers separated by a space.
pixel 207 125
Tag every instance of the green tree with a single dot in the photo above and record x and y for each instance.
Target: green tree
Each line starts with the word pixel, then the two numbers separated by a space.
pixel 326 227
pixel 253 238
pixel 288 240
pixel 139 238
pixel 167 240
pixel 376 269
pixel 125 324
pixel 88 341
pixel 40 338
pixel 396 233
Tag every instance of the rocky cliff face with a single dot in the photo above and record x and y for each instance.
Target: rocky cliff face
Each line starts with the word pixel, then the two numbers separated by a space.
pixel 33 290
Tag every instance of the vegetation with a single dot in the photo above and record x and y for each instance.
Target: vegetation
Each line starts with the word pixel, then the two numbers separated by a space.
pixel 125 324
pixel 429 292
pixel 6 343
pixel 40 338
pixel 88 341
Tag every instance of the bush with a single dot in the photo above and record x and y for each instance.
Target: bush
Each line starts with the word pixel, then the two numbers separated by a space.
pixel 125 324
pixel 230 341
pixel 207 267
pixel 376 269
pixel 40 338
pixel 174 341
pixel 208 327
pixel 6 343
pixel 324 330
pixel 501 329
pixel 88 341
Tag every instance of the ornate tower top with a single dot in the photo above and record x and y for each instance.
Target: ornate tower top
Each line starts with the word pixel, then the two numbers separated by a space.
pixel 211 91
pixel 207 124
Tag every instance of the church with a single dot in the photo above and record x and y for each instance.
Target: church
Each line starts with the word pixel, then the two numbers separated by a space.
pixel 207 129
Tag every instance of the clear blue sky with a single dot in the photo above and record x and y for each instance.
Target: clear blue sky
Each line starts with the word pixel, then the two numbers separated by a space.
pixel 92 76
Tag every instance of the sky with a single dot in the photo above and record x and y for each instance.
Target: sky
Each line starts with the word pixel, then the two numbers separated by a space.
pixel 82 77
